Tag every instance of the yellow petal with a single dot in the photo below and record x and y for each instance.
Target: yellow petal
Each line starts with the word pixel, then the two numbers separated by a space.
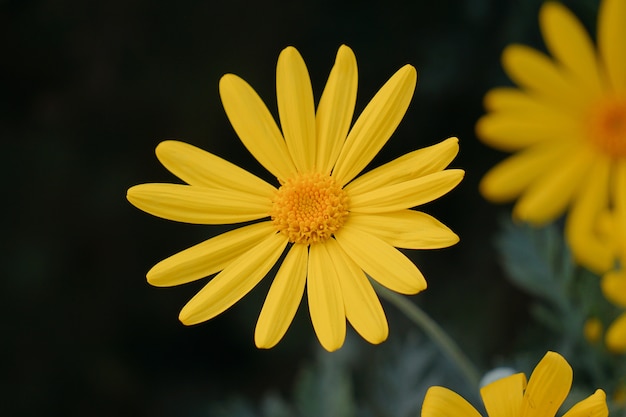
pixel 208 257
pixel 513 130
pixel 569 43
pixel 441 402
pixel 255 126
pixel 381 261
pixel 611 35
pixel 199 205
pixel 503 398
pixel 335 109
pixel 507 180
pixel 376 124
pixel 407 167
pixel 619 198
pixel 295 108
pixel 325 299
pixel 548 198
pixel 235 281
pixel 589 248
pixel 408 229
pixel 283 298
pixel 592 406
pixel 406 194
pixel 614 287
pixel 363 309
pixel 548 386
pixel 616 335
pixel 537 73
pixel 514 99
pixel 200 168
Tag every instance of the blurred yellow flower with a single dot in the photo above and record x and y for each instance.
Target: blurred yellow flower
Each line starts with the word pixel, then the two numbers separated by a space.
pixel 544 394
pixel 614 289
pixel 334 228
pixel 592 330
pixel 567 123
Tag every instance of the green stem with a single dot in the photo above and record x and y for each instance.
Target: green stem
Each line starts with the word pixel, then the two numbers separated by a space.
pixel 434 331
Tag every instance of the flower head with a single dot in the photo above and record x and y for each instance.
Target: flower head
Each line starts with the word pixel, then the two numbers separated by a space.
pixel 567 124
pixel 511 396
pixel 335 228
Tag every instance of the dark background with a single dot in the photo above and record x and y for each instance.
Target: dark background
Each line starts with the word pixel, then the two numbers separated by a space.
pixel 88 89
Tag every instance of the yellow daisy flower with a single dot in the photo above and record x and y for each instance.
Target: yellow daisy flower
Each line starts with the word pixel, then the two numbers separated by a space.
pixel 567 123
pixel 511 396
pixel 334 228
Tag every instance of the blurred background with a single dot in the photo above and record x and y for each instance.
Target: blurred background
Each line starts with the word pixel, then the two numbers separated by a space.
pixel 89 88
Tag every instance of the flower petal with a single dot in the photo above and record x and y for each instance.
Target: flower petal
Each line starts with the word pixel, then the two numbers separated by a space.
pixel 548 197
pixel 235 281
pixel 548 386
pixel 590 248
pixel 611 35
pixel 537 73
pixel 255 126
pixel 568 41
pixel 503 398
pixel 592 406
pixel 208 257
pixel 619 199
pixel 335 109
pixel 283 298
pixel 529 124
pixel 407 167
pixel 442 402
pixel 408 229
pixel 200 168
pixel 295 108
pixel 507 180
pixel 615 337
pixel 199 205
pixel 325 299
pixel 406 194
pixel 381 261
pixel 376 124
pixel 363 309
pixel 614 287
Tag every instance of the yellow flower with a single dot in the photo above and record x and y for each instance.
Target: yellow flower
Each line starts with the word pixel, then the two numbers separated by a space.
pixel 334 228
pixel 611 226
pixel 592 330
pixel 567 123
pixel 547 388
pixel 614 289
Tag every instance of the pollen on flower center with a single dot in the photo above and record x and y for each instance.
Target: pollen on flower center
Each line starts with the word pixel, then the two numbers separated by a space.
pixel 309 208
pixel 606 125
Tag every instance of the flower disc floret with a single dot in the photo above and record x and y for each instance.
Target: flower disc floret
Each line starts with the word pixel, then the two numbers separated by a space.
pixel 606 126
pixel 309 208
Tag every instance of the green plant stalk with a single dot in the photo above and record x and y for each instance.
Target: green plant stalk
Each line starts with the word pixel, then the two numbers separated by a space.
pixel 434 331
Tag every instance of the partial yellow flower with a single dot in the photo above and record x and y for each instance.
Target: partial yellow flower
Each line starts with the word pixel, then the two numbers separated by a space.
pixel 592 330
pixel 567 124
pixel 611 226
pixel 511 396
pixel 614 289
pixel 333 229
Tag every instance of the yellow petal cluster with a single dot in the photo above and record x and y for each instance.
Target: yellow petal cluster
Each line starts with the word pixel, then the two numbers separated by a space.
pixel 513 396
pixel 327 228
pixel 566 124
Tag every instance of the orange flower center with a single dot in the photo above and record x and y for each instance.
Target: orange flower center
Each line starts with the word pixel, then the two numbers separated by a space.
pixel 309 208
pixel 606 125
